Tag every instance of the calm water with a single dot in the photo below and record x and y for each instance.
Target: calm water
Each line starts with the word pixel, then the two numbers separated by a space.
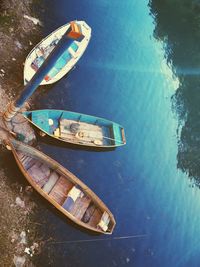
pixel 126 75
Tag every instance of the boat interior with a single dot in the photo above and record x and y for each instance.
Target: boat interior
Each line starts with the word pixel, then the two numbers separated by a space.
pixel 65 193
pixel 42 52
pixel 78 129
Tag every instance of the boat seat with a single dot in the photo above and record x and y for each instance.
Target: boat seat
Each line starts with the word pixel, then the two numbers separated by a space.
pixel 60 190
pixel 105 219
pixel 95 218
pixel 53 178
pixel 80 206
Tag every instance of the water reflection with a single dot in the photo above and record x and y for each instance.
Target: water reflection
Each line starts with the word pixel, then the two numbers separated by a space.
pixel 177 25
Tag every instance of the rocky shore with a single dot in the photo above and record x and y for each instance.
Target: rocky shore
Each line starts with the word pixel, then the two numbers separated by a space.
pixel 20 29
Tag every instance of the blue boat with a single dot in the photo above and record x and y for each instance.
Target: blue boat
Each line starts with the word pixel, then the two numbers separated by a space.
pixel 77 128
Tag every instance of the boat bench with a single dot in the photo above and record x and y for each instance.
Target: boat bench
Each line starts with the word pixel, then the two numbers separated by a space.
pixel 105 219
pixel 95 218
pixel 53 178
pixel 60 190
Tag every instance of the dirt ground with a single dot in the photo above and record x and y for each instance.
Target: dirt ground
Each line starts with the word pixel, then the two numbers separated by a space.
pixel 18 233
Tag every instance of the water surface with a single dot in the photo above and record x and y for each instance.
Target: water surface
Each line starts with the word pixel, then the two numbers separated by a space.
pixel 125 75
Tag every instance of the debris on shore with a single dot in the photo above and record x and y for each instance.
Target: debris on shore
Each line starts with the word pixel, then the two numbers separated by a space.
pixel 34 20
pixel 19 30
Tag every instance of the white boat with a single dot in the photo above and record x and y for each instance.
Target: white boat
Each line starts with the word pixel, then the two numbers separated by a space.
pixel 65 63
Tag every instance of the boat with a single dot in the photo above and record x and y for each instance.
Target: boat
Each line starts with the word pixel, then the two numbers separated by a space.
pixel 62 188
pixel 77 128
pixel 65 63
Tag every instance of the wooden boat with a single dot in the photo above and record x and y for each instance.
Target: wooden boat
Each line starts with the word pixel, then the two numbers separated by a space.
pixel 77 128
pixel 65 63
pixel 63 189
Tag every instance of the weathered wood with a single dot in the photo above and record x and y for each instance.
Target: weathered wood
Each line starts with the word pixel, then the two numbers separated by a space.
pixel 104 222
pixel 53 178
pixel 39 173
pixel 80 207
pixel 60 190
pixel 45 169
pixel 29 163
pixel 95 218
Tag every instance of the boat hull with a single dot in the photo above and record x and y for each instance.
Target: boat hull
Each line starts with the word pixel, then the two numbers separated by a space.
pixel 21 152
pixel 76 128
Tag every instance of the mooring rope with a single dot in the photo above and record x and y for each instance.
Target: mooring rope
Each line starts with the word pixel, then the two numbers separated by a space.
pixel 100 239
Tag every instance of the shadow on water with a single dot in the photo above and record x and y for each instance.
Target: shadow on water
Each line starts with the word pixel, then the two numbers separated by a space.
pixel 52 141
pixel 180 36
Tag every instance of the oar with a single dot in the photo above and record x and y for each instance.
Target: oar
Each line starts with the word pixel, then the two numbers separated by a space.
pixel 112 139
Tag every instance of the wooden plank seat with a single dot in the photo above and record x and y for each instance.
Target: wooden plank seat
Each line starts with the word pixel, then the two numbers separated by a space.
pixel 80 207
pixel 60 190
pixel 95 218
pixel 53 178
pixel 103 223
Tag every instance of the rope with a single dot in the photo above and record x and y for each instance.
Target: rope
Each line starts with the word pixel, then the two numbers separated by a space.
pixel 105 137
pixel 86 141
pixel 101 239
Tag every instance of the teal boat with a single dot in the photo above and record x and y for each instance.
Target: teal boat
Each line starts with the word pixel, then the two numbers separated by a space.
pixel 77 128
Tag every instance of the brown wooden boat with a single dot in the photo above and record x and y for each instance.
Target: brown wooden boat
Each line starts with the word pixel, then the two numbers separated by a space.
pixel 62 188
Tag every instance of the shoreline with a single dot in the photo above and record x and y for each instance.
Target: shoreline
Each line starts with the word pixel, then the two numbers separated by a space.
pixel 18 34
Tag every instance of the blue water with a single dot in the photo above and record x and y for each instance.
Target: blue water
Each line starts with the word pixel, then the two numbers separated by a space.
pixel 123 76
